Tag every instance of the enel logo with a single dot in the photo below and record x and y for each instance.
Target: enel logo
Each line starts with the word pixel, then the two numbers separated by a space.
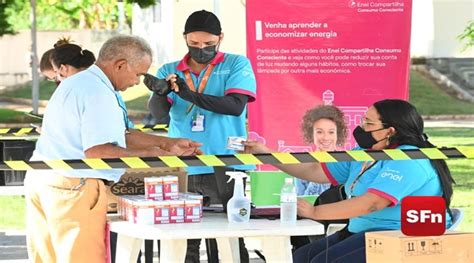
pixel 423 216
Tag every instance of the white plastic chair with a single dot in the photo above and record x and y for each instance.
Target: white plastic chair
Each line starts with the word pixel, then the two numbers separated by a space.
pixel 333 228
pixel 458 215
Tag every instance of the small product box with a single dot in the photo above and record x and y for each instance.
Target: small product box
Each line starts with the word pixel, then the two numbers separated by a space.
pixel 176 211
pixel 193 210
pixel 170 187
pixel 130 210
pixel 394 246
pixel 162 214
pixel 153 188
pixel 120 207
pixel 194 196
pixel 126 208
pixel 235 143
pixel 144 212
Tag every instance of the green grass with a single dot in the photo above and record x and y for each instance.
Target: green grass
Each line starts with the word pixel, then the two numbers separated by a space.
pixel 139 103
pixel 24 91
pixel 430 99
pixel 462 170
pixel 136 97
pixel 11 116
pixel 13 212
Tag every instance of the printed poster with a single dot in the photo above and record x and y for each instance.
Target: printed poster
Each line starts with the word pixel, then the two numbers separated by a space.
pixel 307 53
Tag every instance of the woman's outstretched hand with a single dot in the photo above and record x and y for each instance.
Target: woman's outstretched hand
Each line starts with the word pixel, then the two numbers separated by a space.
pixel 255 147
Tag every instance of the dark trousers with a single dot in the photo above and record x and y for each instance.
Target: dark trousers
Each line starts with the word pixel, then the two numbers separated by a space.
pixel 215 187
pixel 340 247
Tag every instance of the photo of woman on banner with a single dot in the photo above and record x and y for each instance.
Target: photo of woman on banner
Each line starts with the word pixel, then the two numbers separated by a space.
pixel 324 127
pixel 373 201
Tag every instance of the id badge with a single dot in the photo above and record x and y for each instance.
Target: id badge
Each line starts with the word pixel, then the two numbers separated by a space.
pixel 197 124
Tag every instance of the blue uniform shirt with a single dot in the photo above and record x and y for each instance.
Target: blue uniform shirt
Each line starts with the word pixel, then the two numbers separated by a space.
pixel 393 180
pixel 304 187
pixel 231 74
pixel 83 112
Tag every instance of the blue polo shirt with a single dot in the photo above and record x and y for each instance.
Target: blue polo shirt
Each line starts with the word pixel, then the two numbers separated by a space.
pixel 392 180
pixel 83 112
pixel 231 74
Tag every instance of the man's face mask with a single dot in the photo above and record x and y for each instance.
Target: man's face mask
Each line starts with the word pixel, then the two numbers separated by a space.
pixel 203 55
pixel 364 138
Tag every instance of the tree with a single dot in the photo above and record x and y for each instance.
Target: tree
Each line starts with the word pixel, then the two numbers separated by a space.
pixel 5 27
pixel 66 14
pixel 467 36
pixel 143 3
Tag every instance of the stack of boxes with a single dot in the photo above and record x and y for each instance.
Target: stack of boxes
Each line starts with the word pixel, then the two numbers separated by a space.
pixel 161 204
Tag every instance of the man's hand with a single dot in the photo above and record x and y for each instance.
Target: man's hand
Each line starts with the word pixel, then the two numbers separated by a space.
pixel 182 147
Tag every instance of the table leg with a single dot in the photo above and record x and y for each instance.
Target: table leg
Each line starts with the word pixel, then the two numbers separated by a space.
pixel 127 249
pixel 228 249
pixel 277 249
pixel 173 250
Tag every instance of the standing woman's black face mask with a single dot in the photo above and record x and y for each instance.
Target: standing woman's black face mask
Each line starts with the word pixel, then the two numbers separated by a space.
pixel 203 55
pixel 364 138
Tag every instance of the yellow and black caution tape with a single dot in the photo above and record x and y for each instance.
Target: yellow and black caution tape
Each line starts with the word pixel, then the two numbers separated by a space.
pixel 150 128
pixel 18 131
pixel 32 131
pixel 466 152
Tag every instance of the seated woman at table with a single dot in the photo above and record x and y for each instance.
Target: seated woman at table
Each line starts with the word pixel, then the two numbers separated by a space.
pixel 374 189
pixel 324 127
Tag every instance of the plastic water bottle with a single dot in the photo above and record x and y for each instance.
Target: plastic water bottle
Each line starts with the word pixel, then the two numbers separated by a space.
pixel 288 202
pixel 238 207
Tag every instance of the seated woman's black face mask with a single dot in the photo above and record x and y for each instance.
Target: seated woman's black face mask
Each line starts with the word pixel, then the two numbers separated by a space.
pixel 364 138
pixel 203 55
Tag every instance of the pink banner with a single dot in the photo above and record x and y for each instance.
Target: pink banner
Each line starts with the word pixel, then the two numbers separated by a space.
pixel 307 53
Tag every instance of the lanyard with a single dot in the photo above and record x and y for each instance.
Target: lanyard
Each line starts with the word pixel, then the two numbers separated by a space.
pixel 121 104
pixel 202 84
pixel 365 167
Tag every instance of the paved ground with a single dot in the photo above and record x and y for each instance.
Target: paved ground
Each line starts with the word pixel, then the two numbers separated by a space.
pixel 13 248
pixel 469 123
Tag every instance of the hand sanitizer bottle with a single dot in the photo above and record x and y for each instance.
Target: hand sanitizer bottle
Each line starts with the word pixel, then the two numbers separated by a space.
pixel 238 207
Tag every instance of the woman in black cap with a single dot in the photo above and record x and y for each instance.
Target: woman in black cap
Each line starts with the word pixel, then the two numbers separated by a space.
pixel 210 91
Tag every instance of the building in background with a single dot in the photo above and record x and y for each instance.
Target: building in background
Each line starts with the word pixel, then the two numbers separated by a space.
pixel 163 25
pixel 435 27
